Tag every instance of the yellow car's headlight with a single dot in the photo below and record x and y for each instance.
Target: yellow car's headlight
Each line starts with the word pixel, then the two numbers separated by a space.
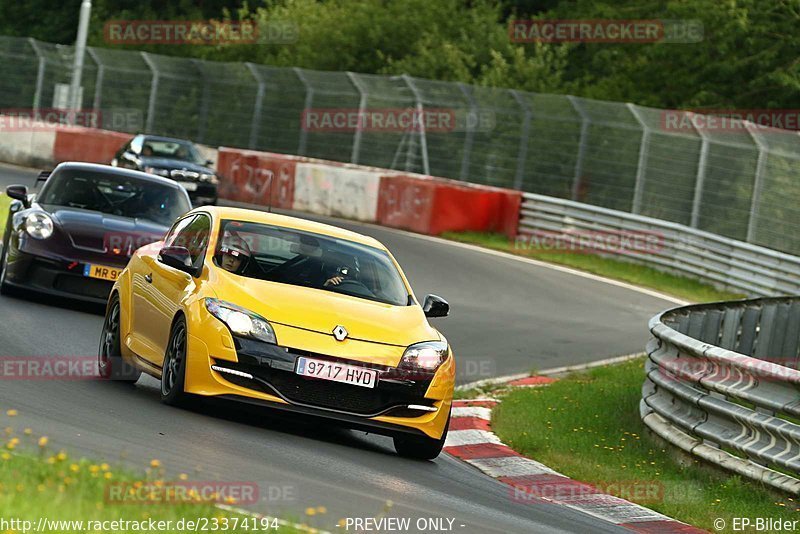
pixel 241 321
pixel 426 356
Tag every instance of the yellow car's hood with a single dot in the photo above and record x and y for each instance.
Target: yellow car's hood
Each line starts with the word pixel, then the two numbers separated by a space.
pixel 321 311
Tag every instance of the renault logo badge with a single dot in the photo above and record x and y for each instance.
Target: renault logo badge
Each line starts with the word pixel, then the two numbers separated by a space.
pixel 340 333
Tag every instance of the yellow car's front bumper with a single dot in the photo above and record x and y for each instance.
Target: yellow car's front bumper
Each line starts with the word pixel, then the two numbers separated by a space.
pixel 274 383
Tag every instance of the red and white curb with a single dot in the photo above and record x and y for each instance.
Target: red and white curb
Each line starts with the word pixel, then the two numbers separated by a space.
pixel 471 439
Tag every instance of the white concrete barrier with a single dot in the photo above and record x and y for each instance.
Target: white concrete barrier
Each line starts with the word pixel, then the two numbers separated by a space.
pixel 337 191
pixel 32 148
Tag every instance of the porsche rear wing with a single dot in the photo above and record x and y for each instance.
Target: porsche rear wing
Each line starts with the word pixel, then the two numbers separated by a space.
pixel 42 177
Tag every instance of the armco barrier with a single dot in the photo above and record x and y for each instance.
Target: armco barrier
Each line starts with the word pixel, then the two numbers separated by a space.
pixel 722 384
pixel 753 270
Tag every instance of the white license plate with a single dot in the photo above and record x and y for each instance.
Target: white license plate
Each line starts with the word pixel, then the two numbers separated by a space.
pixel 189 186
pixel 337 372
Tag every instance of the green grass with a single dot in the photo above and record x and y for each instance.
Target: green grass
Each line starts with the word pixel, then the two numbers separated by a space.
pixel 4 202
pixel 587 427
pixel 36 481
pixel 678 286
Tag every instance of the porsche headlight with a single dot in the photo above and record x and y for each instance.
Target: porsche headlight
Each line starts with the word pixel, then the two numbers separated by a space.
pixel 427 356
pixel 210 178
pixel 159 172
pixel 240 321
pixel 39 225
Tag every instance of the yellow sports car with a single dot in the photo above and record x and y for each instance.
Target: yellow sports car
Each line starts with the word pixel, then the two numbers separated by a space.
pixel 285 313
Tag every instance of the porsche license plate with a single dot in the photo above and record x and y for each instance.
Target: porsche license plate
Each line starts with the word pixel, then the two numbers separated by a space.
pixel 102 272
pixel 189 186
pixel 337 372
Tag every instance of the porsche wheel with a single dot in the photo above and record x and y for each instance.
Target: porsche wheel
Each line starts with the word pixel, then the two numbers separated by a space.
pixel 109 357
pixel 173 373
pixel 4 289
pixel 420 448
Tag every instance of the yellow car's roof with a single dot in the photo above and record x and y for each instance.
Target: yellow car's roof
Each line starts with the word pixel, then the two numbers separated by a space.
pixel 275 219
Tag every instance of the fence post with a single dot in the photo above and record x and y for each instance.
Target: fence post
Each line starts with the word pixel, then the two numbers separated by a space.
pixel 758 182
pixel 37 95
pixel 701 175
pixel 362 107
pixel 523 139
pixel 202 120
pixel 255 124
pixel 98 84
pixel 585 123
pixel 470 134
pixel 638 188
pixel 420 110
pixel 303 141
pixel 151 105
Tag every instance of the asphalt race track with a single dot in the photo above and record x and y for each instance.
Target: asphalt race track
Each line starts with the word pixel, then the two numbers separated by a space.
pixel 507 317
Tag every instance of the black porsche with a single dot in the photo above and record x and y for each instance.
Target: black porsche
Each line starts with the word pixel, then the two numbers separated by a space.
pixel 177 159
pixel 75 236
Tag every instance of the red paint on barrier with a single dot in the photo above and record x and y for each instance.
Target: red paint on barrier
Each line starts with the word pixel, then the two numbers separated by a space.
pixel 406 202
pixel 247 175
pixel 432 206
pixel 461 207
pixel 87 144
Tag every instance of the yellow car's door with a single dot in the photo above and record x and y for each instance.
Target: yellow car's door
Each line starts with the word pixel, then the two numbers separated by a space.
pixel 163 298
pixel 164 288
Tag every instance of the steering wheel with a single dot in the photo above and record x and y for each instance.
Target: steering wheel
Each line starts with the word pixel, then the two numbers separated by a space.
pixel 352 286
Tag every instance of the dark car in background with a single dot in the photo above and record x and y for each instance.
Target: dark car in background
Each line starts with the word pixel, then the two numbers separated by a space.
pixel 177 159
pixel 76 235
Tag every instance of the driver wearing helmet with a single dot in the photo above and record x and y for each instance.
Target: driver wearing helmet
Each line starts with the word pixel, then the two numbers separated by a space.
pixel 233 254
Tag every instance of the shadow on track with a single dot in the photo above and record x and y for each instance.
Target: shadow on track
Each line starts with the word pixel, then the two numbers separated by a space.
pixel 299 425
pixel 13 293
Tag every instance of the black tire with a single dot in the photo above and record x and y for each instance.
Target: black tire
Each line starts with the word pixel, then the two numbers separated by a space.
pixel 173 372
pixel 4 289
pixel 109 356
pixel 420 448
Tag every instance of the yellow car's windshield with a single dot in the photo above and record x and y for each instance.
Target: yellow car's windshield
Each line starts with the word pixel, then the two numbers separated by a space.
pixel 289 256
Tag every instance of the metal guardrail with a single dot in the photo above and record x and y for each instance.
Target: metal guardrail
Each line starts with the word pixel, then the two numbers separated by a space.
pixel 727 263
pixel 723 384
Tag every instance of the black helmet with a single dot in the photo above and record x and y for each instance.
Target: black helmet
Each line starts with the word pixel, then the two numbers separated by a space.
pixel 346 267
pixel 235 246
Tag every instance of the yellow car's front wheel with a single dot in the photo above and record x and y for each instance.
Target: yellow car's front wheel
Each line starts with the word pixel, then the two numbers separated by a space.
pixel 420 447
pixel 173 372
